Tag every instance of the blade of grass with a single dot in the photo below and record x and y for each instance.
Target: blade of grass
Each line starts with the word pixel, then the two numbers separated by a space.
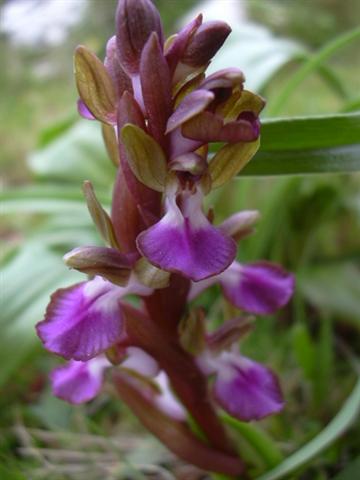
pixel 312 64
pixel 340 423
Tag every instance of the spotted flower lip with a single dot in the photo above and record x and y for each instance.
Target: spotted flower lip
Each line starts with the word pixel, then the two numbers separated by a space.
pixel 185 242
pixel 79 382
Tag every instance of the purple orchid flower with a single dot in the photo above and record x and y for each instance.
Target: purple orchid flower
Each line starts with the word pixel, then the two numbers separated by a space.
pixel 159 113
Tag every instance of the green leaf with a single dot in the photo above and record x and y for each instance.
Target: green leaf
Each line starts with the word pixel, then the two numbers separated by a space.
pixel 350 472
pixel 304 349
pixel 318 144
pixel 333 288
pixel 314 62
pixel 49 198
pixel 340 423
pixel 258 440
pixel 255 50
pixel 30 277
pixel 315 132
pixel 75 156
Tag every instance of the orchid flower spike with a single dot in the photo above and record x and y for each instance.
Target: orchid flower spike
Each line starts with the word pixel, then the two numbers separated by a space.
pixel 131 321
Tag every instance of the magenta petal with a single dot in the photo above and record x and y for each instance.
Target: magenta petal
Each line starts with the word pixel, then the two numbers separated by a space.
pixel 83 320
pixel 260 288
pixel 194 103
pixel 245 389
pixel 79 382
pixel 84 111
pixel 185 242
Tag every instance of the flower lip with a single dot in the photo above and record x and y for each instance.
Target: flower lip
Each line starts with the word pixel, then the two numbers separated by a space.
pixel 246 389
pixel 79 382
pixel 135 21
pixel 260 288
pixel 83 320
pixel 185 242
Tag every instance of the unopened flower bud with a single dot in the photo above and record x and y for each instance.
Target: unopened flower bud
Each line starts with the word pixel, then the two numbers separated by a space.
pixel 112 63
pixel 135 21
pixel 205 43
pixel 106 262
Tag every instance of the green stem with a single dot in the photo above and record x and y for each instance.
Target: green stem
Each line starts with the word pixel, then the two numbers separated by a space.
pixel 312 64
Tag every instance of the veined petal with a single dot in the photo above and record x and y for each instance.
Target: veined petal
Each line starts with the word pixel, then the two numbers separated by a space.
pixel 246 389
pixel 78 382
pixel 185 242
pixel 83 320
pixel 260 288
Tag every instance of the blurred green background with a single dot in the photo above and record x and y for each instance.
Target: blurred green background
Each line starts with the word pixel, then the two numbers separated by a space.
pixel 311 224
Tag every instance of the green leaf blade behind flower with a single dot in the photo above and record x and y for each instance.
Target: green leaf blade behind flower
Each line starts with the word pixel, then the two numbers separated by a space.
pixel 307 145
pixel 338 425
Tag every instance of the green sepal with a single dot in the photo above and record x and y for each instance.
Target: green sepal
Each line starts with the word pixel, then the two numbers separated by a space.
pixel 145 156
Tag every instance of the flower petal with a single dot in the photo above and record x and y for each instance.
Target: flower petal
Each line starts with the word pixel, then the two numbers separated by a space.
pixel 83 320
pixel 246 389
pixel 194 103
pixel 206 41
pixel 135 21
pixel 225 78
pixel 240 224
pixel 176 50
pixel 209 127
pixel 260 288
pixel 185 242
pixel 84 111
pixel 156 87
pixel 141 362
pixel 166 400
pixel 79 382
